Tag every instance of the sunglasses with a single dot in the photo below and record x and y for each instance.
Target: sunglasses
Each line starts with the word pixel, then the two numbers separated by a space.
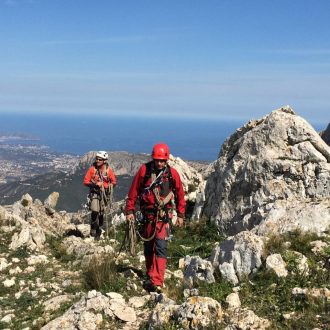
pixel 99 159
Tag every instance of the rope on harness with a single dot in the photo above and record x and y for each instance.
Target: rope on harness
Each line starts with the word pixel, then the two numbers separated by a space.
pixel 129 242
pixel 144 239
pixel 106 204
pixel 161 203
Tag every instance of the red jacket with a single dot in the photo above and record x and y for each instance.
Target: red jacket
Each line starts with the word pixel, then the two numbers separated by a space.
pixel 92 176
pixel 149 199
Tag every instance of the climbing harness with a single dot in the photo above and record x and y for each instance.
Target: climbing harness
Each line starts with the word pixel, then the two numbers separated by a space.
pixel 160 213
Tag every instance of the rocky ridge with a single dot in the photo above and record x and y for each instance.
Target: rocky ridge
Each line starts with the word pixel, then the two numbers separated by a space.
pixel 270 183
pixel 265 168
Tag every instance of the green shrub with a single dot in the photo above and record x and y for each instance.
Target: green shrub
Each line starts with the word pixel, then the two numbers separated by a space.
pixel 196 238
pixel 218 290
pixel 104 275
pixel 58 250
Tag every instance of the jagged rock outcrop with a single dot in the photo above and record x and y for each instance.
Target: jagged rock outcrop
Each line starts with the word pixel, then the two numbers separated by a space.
pixel 90 311
pixel 238 256
pixel 86 250
pixel 245 319
pixel 195 313
pixel 199 312
pixel 276 263
pixel 288 215
pixel 196 270
pixel 50 202
pixel 192 181
pixel 326 135
pixel 279 157
pixel 31 235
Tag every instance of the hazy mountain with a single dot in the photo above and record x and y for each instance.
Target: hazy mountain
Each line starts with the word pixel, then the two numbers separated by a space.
pixel 69 184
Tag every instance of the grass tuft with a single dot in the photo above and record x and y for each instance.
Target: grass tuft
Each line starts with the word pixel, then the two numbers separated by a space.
pixel 58 250
pixel 196 238
pixel 104 275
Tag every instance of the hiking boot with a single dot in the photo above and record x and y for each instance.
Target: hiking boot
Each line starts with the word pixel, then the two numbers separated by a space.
pixel 148 286
pixel 93 233
pixel 98 234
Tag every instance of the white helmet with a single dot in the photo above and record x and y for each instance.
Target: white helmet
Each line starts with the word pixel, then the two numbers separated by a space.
pixel 102 154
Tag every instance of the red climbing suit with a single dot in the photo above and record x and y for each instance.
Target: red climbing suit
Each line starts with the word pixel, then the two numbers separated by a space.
pixel 155 251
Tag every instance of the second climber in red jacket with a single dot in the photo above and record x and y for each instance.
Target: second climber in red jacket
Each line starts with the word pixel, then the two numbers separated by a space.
pixel 100 179
pixel 158 189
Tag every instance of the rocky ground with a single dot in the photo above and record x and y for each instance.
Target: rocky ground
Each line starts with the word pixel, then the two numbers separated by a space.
pixel 269 189
pixel 54 276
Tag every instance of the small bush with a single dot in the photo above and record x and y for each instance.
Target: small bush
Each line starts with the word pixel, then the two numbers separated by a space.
pixel 20 253
pixel 218 290
pixel 299 241
pixel 104 275
pixel 271 297
pixel 58 250
pixel 198 237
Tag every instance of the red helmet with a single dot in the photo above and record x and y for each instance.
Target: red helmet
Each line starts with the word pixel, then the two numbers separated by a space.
pixel 160 151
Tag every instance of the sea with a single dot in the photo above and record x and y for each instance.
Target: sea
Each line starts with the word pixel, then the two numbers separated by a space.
pixel 189 138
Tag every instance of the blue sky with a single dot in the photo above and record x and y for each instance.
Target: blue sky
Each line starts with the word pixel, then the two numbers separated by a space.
pixel 182 58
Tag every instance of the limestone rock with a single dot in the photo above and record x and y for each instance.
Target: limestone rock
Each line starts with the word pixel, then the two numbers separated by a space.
pixel 8 318
pixel 124 313
pixel 84 229
pixel 86 314
pixel 162 314
pixel 55 303
pixel 89 320
pixel 31 236
pixel 245 319
pixel 85 250
pixel 138 302
pixel 276 263
pixel 114 295
pixel 279 157
pixel 51 200
pixel 318 246
pixel 191 179
pixel 50 203
pixel 37 259
pixel 198 312
pixel 312 292
pixel 200 200
pixel 238 256
pixel 2 214
pixel 233 300
pixel 26 200
pixel 197 269
pixel 301 263
pixel 4 264
pixel 9 283
pixel 288 215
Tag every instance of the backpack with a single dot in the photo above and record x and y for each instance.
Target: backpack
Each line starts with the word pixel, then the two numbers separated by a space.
pixel 103 175
pixel 164 190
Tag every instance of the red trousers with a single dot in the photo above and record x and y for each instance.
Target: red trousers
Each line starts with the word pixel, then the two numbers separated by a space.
pixel 155 251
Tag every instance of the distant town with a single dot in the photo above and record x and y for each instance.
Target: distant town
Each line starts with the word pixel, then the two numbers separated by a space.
pixel 20 161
